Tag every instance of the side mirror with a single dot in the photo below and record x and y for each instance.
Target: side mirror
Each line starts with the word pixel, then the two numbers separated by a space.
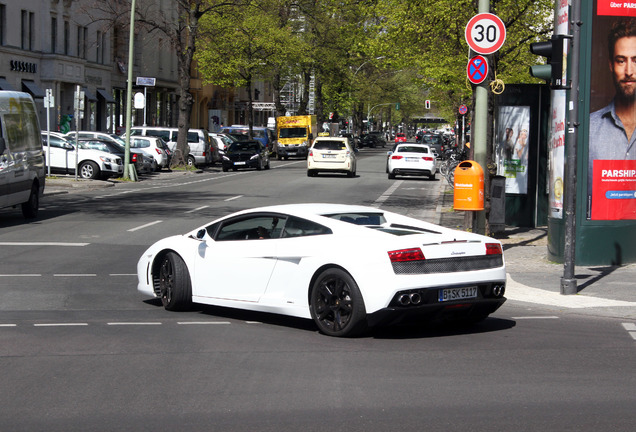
pixel 201 233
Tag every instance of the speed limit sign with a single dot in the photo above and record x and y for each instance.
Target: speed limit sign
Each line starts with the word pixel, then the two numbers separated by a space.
pixel 485 33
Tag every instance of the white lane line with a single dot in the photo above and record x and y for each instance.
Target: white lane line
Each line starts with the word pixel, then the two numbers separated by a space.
pixel 8 325
pixel 253 322
pixel 197 209
pixel 631 329
pixel 385 196
pixel 132 323
pixel 233 198
pixel 61 325
pixel 201 322
pixel 123 274
pixel 534 317
pixel 74 275
pixel 519 292
pixel 20 275
pixel 145 226
pixel 43 244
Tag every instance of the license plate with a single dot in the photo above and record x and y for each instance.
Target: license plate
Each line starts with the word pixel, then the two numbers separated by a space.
pixel 291 153
pixel 239 163
pixel 450 294
pixel 329 156
pixel 412 159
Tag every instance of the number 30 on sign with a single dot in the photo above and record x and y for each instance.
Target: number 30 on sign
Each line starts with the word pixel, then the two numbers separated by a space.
pixel 485 33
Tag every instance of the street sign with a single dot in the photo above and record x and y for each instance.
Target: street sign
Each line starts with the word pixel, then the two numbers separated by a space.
pixel 477 69
pixel 485 33
pixel 463 109
pixel 146 81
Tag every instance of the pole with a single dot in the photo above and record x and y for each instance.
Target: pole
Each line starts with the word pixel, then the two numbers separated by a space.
pixel 78 95
pixel 49 102
pixel 568 281
pixel 479 132
pixel 145 104
pixel 128 168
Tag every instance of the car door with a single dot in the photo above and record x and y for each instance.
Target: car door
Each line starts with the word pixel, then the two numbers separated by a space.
pixel 237 264
pixel 58 157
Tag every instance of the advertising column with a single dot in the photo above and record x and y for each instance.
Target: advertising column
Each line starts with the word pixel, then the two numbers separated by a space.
pixel 611 168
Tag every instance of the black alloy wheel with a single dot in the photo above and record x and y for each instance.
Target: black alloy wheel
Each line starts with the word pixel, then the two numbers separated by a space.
pixel 336 304
pixel 174 283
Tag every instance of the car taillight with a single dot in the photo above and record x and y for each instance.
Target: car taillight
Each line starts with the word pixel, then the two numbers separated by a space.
pixel 427 158
pixel 493 249
pixel 311 153
pixel 134 157
pixel 404 255
pixel 396 157
pixel 158 151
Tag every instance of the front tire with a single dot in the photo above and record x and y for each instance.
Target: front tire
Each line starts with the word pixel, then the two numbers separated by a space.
pixel 336 304
pixel 89 170
pixel 174 283
pixel 191 162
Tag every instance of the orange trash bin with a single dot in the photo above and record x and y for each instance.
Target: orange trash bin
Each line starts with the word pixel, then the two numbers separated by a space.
pixel 469 186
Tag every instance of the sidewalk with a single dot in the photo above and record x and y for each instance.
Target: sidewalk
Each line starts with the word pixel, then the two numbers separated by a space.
pixel 533 278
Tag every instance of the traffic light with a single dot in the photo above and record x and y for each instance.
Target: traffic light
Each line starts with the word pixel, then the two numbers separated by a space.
pixel 397 106
pixel 554 69
pixel 427 104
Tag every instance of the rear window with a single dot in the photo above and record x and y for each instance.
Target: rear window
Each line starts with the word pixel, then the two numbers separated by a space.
pixel 412 149
pixel 359 218
pixel 330 145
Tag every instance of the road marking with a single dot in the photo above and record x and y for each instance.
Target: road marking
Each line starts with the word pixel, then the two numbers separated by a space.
pixel 20 275
pixel 385 196
pixel 61 325
pixel 123 274
pixel 74 275
pixel 233 198
pixel 132 323
pixel 43 244
pixel 631 329
pixel 201 322
pixel 145 226
pixel 197 209
pixel 534 317
pixel 8 325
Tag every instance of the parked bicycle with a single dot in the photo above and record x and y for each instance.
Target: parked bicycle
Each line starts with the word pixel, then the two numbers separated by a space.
pixel 447 167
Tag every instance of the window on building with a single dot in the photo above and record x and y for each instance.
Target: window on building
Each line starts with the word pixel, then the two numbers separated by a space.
pixel 98 48
pixel 53 34
pixel 82 33
pixel 67 37
pixel 3 23
pixel 27 30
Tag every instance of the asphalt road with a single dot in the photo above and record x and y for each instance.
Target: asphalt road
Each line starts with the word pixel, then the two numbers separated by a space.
pixel 80 350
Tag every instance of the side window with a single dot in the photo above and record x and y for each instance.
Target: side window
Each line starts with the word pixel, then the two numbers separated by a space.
pixel 250 228
pixel 296 227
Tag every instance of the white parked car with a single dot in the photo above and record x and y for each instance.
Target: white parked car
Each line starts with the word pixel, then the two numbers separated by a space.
pixel 331 154
pixel 411 160
pixel 346 267
pixel 92 164
pixel 153 146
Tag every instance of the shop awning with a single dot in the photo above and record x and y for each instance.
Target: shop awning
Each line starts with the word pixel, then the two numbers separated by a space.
pixel 33 88
pixel 106 96
pixel 4 85
pixel 89 95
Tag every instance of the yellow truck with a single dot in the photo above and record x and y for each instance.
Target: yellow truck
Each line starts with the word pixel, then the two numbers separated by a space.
pixel 295 134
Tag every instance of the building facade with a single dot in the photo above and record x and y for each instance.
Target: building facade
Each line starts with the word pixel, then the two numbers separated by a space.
pixel 62 44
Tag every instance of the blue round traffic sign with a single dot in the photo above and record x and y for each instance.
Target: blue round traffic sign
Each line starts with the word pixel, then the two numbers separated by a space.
pixel 477 69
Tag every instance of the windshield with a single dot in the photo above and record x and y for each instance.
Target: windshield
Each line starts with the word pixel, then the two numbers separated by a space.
pixel 294 132
pixel 247 146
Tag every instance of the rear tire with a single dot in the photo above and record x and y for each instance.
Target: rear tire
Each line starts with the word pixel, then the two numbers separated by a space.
pixel 336 304
pixel 31 207
pixel 174 283
pixel 391 176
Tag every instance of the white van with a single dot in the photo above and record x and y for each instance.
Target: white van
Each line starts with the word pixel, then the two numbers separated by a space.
pixel 203 150
pixel 22 170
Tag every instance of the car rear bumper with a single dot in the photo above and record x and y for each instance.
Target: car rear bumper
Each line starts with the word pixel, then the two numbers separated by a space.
pixel 414 171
